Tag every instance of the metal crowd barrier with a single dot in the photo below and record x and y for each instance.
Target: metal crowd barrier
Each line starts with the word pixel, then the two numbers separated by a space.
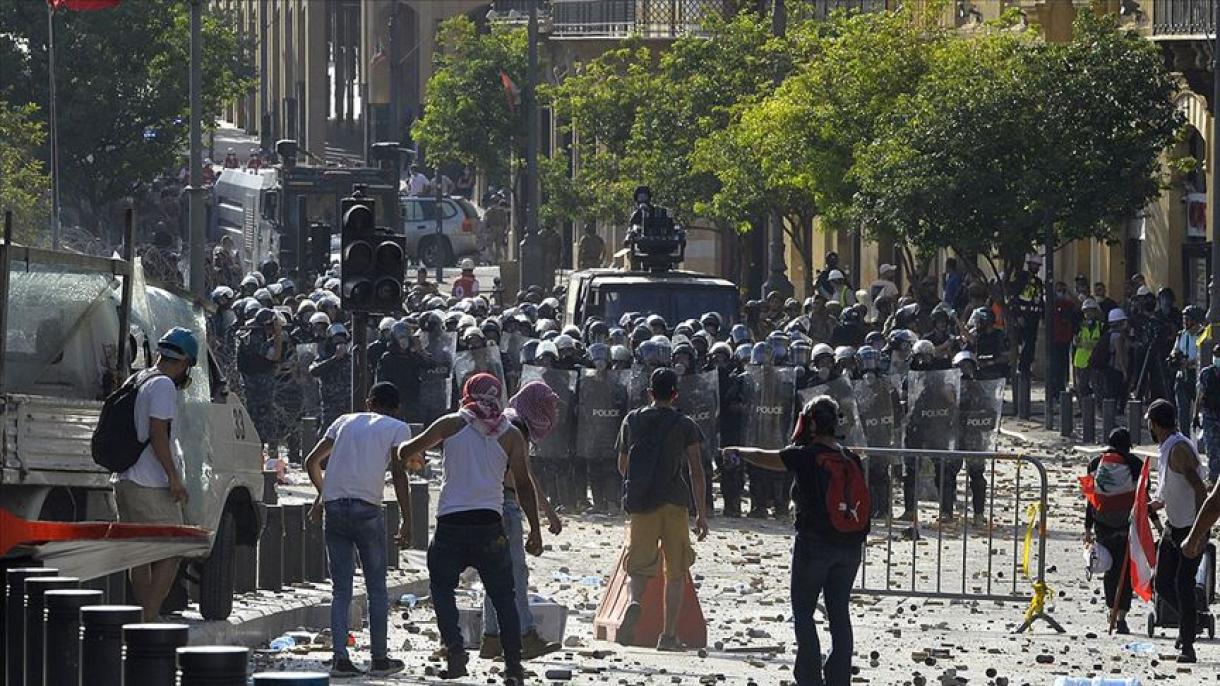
pixel 1016 575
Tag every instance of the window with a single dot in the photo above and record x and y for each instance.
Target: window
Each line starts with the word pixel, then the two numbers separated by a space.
pixel 450 210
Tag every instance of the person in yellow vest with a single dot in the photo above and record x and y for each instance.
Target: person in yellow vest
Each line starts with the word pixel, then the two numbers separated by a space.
pixel 1082 346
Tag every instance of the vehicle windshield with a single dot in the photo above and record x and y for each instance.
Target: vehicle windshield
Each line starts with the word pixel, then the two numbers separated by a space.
pixel 674 302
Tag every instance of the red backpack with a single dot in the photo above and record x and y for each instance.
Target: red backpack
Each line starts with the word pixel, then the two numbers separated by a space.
pixel 848 503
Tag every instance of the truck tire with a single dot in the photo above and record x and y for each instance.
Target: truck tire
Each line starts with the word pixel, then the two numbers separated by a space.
pixel 216 572
pixel 434 251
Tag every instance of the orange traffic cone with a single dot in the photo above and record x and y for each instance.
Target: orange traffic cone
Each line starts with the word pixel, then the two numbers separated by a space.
pixel 692 628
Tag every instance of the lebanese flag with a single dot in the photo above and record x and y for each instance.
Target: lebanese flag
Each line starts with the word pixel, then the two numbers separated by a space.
pixel 82 5
pixel 511 91
pixel 1111 487
pixel 1141 546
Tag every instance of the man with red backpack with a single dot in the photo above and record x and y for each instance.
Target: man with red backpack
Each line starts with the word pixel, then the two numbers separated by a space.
pixel 832 522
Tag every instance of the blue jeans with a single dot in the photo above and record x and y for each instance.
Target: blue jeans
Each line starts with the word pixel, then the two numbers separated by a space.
pixel 1211 446
pixel 820 568
pixel 354 525
pixel 484 547
pixel 514 529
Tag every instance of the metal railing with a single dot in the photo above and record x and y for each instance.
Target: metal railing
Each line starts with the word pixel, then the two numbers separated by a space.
pixel 658 19
pixel 988 569
pixel 1183 18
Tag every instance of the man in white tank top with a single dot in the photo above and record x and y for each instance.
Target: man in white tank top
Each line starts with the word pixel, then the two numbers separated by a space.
pixel 1180 492
pixel 479 445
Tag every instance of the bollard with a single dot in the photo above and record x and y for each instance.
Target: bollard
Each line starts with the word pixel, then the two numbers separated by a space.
pixel 61 664
pixel 1088 419
pixel 149 658
pixel 270 497
pixel 392 522
pixel 14 619
pixel 315 550
pixel 245 568
pixel 213 666
pixel 291 679
pixel 1049 401
pixel 419 514
pixel 1109 410
pixel 1066 428
pixel 271 551
pixel 116 588
pixel 101 644
pixel 294 531
pixel 1135 420
pixel 1024 409
pixel 35 611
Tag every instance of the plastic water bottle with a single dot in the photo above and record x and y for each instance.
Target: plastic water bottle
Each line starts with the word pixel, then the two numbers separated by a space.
pixel 1097 681
pixel 283 643
pixel 591 581
pixel 1140 648
pixel 408 600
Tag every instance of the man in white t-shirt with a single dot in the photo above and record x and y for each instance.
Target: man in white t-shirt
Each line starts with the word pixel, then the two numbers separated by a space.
pixel 417 183
pixel 151 490
pixel 359 447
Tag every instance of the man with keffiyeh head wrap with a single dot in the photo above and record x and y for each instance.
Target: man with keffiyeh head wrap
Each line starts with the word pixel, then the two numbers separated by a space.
pixel 479 446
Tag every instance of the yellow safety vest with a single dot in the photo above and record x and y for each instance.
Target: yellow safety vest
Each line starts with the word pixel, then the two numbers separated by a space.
pixel 1086 340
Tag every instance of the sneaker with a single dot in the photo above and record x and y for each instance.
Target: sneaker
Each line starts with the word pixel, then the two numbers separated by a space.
pixel 385 666
pixel 532 646
pixel 1187 654
pixel 344 669
pixel 1121 627
pixel 490 648
pixel 670 644
pixel 906 516
pixel 514 676
pixel 456 669
pixel 979 521
pixel 626 630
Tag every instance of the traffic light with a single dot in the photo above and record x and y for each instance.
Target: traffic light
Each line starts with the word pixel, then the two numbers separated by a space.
pixel 373 260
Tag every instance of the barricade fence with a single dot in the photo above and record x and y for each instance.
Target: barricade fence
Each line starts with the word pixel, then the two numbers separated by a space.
pixel 989 540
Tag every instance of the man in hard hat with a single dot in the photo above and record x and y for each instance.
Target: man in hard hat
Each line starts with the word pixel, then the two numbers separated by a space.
pixel 1028 308
pixel 465 286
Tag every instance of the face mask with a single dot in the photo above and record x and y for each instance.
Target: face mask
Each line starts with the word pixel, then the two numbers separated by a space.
pixel 823 373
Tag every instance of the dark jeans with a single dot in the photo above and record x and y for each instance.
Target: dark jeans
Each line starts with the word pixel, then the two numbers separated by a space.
pixel 1115 542
pixel 1059 367
pixel 1211 446
pixel 353 525
pixel 606 485
pixel 819 569
pixel 946 483
pixel 910 483
pixel 877 467
pixel 1028 338
pixel 761 494
pixel 484 547
pixel 732 483
pixel 1175 581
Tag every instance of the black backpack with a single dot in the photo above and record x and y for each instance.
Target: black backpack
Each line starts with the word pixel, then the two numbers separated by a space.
pixel 640 483
pixel 1211 400
pixel 115 445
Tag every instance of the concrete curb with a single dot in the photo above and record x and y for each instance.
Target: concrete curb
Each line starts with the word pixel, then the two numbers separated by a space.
pixel 259 617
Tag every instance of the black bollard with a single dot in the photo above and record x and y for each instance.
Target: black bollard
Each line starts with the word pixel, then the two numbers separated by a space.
pixel 1088 419
pixel 1024 404
pixel 294 531
pixel 315 550
pixel 14 620
pixel 36 588
pixel 270 497
pixel 116 588
pixel 101 646
pixel 1048 410
pixel 1135 420
pixel 150 658
pixel 61 664
pixel 245 568
pixel 291 679
pixel 419 514
pixel 1109 410
pixel 1066 427
pixel 392 522
pixel 271 551
pixel 213 666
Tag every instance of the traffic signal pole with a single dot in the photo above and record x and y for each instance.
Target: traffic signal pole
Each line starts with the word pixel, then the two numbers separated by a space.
pixel 360 360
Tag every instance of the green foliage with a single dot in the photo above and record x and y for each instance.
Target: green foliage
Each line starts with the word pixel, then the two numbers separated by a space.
pixel 25 188
pixel 468 118
pixel 123 92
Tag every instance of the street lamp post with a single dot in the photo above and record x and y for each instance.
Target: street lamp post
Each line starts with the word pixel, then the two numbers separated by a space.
pixel 778 279
pixel 195 192
pixel 1213 311
pixel 533 260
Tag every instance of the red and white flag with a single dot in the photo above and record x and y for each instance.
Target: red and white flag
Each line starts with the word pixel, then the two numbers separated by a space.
pixel 1141 546
pixel 82 5
pixel 511 91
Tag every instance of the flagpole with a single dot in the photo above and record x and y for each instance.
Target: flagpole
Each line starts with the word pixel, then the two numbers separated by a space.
pixel 54 128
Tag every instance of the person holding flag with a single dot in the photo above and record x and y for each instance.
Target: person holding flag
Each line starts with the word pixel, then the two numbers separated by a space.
pixel 1180 493
pixel 1109 490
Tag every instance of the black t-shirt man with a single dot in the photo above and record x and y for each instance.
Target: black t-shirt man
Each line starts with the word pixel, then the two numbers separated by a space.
pixel 670 484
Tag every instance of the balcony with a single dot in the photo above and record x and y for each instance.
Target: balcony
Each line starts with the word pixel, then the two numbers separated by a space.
pixel 616 19
pixel 1183 18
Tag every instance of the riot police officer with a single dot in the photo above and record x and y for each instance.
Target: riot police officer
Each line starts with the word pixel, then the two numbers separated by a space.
pixel 333 370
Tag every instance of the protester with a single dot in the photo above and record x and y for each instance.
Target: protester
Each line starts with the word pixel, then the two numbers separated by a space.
pixel 479 445
pixel 466 285
pixel 151 491
pixel 1028 308
pixel 1208 415
pixel 827 552
pixel 1184 361
pixel 357 449
pixel 1180 492
pixel 1064 320
pixel 1083 344
pixel 416 183
pixel 1110 495
pixel 653 445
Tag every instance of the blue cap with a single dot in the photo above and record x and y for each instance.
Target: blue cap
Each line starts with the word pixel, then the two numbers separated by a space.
pixel 179 344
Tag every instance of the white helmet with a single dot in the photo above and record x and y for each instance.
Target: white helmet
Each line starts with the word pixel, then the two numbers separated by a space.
pixel 385 323
pixel 1117 315
pixel 319 318
pixel 1097 560
pixel 564 342
pixel 821 349
pixel 467 264
pixel 962 357
pixel 834 274
pixel 844 352
pixel 1089 304
pixel 923 347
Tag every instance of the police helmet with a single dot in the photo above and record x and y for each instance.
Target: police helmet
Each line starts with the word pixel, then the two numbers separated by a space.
pixel 620 353
pixel 900 337
pixel 684 329
pixel 963 356
pixel 875 339
pixel 711 320
pixel 657 323
pixel 597 330
pixel 868 358
pixel 761 353
pixel 800 354
pixel 722 348
pixel 565 343
pixel 981 316
pixel 685 349
pixel 400 330
pixel 491 329
pixel 252 307
pixel 923 347
pixel 263 296
pixel 471 333
pixel 221 293
pixel 306 306
pixel 275 290
pixel 821 349
pixel 743 352
pixel 529 351
pixel 547 348
pixel 599 352
pixel 264 316
pixel 259 278
pixel 739 334
pixel 336 329
pixel 319 318
pixel 844 352
pixel 617 336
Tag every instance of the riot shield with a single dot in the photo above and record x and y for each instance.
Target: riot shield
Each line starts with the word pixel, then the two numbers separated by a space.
pixel 978 425
pixel 562 439
pixel 436 376
pixel 932 409
pixel 851 430
pixel 637 387
pixel 470 362
pixel 699 399
pixel 510 346
pixel 601 404
pixel 877 410
pixel 770 400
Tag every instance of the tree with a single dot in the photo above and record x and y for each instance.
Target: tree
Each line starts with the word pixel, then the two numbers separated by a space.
pixel 123 104
pixel 25 188
pixel 470 116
